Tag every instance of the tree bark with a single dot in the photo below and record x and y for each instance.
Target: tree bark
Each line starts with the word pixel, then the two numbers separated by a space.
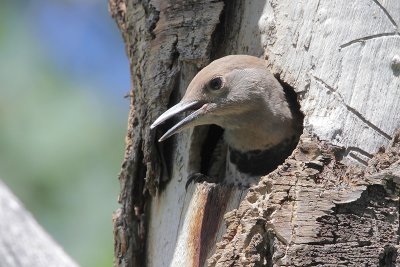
pixel 332 202
pixel 23 242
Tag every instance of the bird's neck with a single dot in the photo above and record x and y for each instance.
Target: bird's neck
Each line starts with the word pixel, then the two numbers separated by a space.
pixel 258 134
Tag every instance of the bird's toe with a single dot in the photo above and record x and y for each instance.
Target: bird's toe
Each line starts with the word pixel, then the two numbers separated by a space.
pixel 198 177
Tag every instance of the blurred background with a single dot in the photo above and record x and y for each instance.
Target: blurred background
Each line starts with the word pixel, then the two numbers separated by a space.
pixel 63 73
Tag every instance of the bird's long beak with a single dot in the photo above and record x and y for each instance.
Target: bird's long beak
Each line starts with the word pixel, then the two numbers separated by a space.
pixel 198 108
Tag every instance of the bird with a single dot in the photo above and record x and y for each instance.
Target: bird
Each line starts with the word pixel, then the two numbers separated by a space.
pixel 239 94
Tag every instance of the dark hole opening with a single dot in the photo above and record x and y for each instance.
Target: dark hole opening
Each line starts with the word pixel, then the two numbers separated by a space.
pixel 214 135
pixel 254 162
pixel 294 104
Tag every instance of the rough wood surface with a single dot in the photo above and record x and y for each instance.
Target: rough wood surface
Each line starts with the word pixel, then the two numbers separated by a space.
pixel 167 42
pixel 23 242
pixel 342 60
pixel 315 211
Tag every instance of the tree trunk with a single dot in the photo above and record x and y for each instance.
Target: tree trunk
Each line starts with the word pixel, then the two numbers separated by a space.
pixel 22 241
pixel 332 202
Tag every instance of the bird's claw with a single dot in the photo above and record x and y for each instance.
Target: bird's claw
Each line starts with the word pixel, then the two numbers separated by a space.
pixel 196 177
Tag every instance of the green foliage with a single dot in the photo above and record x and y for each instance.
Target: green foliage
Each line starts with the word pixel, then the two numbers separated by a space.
pixel 61 144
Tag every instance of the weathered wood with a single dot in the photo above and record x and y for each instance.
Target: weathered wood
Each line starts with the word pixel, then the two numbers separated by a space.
pixel 167 42
pixel 342 60
pixel 23 242
pixel 339 58
pixel 315 211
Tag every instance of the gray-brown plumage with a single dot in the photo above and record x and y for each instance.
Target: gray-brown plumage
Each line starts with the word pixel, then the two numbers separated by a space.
pixel 239 94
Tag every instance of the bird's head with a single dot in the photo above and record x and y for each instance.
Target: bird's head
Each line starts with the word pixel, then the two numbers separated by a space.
pixel 230 92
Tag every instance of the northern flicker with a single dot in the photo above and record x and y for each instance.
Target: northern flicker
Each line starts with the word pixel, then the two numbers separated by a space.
pixel 239 94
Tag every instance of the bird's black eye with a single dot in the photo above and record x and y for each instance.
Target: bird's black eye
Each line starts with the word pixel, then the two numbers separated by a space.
pixel 215 83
